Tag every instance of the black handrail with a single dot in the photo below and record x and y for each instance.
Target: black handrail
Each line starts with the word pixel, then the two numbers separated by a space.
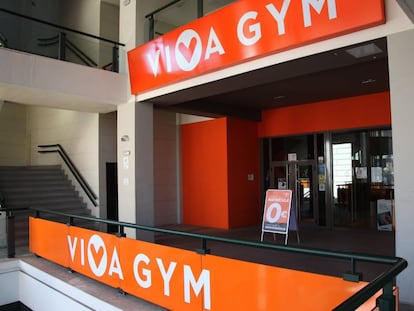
pixel 162 8
pixel 384 281
pixel 65 43
pixel 60 27
pixel 70 45
pixel 80 54
pixel 80 179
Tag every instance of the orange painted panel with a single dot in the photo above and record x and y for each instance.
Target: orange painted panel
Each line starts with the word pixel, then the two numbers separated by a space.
pixel 184 280
pixel 243 160
pixel 47 240
pixel 163 275
pixel 238 285
pixel 252 28
pixel 205 173
pixel 345 113
pixel 95 254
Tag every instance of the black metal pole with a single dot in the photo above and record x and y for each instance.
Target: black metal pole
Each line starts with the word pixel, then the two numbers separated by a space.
pixel 11 247
pixel 115 59
pixel 62 46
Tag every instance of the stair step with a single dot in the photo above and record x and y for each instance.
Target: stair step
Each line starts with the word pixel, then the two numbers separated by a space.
pixel 45 187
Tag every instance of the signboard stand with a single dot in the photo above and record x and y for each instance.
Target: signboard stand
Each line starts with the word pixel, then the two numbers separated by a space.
pixel 278 215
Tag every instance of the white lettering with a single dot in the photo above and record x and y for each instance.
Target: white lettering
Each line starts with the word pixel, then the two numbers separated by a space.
pixel 144 283
pixel 82 248
pixel 214 45
pixel 115 265
pixel 166 275
pixel 279 16
pixel 154 63
pixel 254 29
pixel 72 247
pixel 203 282
pixel 317 5
pixel 269 217
pixel 168 59
pixel 187 56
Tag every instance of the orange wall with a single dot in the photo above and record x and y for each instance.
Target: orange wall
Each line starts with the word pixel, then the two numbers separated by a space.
pixel 346 113
pixel 217 155
pixel 204 173
pixel 243 159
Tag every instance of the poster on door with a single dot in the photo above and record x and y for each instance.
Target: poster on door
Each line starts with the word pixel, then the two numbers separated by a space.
pixel 276 212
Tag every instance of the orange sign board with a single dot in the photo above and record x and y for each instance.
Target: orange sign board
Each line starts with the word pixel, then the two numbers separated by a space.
pixel 183 280
pixel 242 31
pixel 164 275
pixel 276 211
pixel 46 237
pixel 261 287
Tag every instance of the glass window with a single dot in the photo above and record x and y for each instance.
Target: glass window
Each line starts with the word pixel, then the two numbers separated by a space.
pixel 213 5
pixel 363 176
pixel 301 146
pixel 182 13
pixel 172 17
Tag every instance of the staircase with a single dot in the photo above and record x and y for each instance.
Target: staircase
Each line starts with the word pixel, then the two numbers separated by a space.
pixel 45 187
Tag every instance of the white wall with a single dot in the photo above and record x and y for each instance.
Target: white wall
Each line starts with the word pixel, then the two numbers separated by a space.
pixel 40 291
pixel 401 67
pixel 77 132
pixel 12 134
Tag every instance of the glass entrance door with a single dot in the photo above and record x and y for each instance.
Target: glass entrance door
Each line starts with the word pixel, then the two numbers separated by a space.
pixel 300 178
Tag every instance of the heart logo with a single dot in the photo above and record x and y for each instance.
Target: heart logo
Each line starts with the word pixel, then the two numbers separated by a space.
pixel 97 256
pixel 188 50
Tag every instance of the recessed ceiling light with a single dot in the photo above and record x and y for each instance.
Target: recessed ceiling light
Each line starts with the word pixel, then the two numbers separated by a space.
pixel 364 50
pixel 279 97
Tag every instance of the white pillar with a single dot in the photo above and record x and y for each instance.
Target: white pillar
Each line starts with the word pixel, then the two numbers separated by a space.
pixel 401 64
pixel 126 165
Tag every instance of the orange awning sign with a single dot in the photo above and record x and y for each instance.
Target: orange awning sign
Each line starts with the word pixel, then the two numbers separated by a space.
pixel 242 31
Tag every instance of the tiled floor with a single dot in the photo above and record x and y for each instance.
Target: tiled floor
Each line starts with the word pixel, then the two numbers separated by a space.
pixel 360 241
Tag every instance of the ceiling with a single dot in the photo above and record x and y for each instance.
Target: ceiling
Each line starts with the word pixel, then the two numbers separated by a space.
pixel 329 75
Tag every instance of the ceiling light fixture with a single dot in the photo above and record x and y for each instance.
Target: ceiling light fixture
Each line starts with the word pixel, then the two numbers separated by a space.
pixel 278 97
pixel 364 50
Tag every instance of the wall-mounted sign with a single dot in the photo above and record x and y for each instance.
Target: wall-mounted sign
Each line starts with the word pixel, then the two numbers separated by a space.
pixel 292 157
pixel 242 31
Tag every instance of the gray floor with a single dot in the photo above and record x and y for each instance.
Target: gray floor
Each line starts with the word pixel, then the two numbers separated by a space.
pixel 360 241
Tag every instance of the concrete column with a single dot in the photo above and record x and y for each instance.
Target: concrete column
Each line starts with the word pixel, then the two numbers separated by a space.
pixel 401 67
pixel 126 165
pixel 144 168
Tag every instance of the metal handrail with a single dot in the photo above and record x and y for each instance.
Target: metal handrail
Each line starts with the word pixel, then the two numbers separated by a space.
pixel 80 179
pixel 63 42
pixel 80 54
pixel 162 8
pixel 384 281
pixel 61 27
